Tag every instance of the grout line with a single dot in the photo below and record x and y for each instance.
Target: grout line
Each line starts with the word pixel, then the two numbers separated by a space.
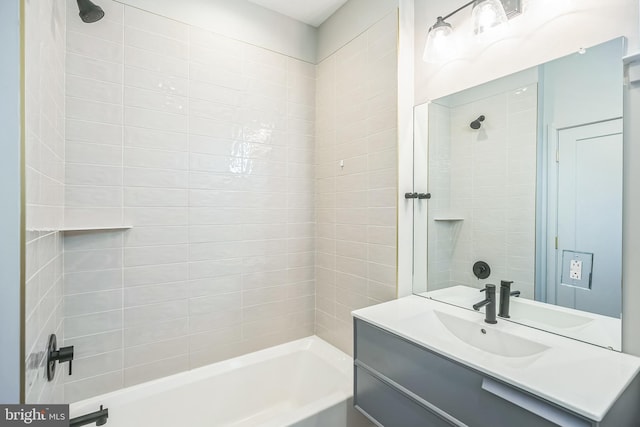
pixel 122 204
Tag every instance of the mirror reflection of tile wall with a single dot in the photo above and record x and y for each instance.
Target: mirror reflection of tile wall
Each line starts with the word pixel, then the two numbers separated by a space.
pixel 487 179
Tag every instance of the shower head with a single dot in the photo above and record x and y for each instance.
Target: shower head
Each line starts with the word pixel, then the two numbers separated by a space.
pixel 89 12
pixel 477 123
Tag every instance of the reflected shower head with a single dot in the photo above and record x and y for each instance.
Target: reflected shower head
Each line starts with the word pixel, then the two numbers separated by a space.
pixel 477 123
pixel 89 12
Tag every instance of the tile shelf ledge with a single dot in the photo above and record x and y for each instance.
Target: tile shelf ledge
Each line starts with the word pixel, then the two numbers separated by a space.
pixel 88 228
pixel 96 228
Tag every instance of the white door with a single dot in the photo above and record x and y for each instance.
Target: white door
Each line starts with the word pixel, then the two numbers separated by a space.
pixel 589 216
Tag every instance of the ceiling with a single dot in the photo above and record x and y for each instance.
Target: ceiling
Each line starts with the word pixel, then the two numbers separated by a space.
pixel 312 12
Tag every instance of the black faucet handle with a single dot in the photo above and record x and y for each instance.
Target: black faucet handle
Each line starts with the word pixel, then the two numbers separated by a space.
pixel 58 355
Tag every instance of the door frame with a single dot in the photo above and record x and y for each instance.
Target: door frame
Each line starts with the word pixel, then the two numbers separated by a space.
pixel 547 265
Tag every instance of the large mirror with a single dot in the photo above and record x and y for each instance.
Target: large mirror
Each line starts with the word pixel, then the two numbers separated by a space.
pixel 525 178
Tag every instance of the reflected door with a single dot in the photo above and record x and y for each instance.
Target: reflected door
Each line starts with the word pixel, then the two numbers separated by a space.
pixel 589 218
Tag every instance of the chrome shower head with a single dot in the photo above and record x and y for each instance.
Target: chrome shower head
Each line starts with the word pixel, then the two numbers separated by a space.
pixel 89 12
pixel 477 123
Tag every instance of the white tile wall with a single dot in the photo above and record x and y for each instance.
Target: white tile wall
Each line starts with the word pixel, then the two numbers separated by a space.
pixel 356 123
pixel 489 176
pixel 206 146
pixel 45 34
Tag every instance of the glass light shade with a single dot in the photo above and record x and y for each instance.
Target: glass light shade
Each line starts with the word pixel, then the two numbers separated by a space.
pixel 487 14
pixel 438 47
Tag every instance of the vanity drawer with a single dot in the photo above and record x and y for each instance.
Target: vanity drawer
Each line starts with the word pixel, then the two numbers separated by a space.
pixel 389 407
pixel 468 396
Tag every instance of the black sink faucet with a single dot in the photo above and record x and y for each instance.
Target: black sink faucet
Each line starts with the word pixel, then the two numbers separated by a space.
pixel 489 302
pixel 505 297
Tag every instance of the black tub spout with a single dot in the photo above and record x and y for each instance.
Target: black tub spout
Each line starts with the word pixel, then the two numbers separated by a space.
pixel 99 417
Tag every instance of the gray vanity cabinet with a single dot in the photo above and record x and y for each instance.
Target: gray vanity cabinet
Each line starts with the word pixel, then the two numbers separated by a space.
pixel 400 384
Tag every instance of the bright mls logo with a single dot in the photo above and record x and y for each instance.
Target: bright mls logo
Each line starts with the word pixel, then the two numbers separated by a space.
pixel 34 415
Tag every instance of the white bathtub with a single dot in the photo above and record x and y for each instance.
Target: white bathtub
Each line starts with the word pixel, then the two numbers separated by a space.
pixel 304 383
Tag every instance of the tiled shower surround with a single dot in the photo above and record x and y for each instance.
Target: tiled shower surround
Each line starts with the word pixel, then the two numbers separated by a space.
pixel 205 145
pixel 224 158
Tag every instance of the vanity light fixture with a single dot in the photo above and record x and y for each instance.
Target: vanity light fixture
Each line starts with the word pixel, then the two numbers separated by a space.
pixel 486 14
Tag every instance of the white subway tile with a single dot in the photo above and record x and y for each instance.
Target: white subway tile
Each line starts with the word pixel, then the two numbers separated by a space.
pixel 92 216
pixel 94 47
pixel 94 90
pixel 227 74
pixel 155 138
pixel 264 279
pixel 215 338
pixel 155 255
pixel 92 324
pixel 147 353
pixel 214 321
pixel 215 268
pixel 98 133
pixel 92 196
pixel 214 303
pixel 260 263
pixel 211 251
pixel 91 68
pixel 146 158
pixel 153 100
pixel 159 331
pixel 149 236
pixel 86 153
pixel 155 274
pixel 101 112
pixel 158 82
pixel 81 174
pixel 155 197
pixel 156 120
pixel 138 374
pixel 151 61
pixel 92 281
pixel 153 314
pixel 94 302
pixel 155 43
pixel 153 23
pixel 156 216
pixel 145 295
pixel 104 259
pixel 147 177
pixel 215 286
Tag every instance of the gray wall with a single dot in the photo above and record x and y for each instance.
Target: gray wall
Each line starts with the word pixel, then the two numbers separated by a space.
pixel 630 215
pixel 10 204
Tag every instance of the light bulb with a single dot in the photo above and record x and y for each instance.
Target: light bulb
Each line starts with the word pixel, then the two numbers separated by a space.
pixel 487 14
pixel 438 48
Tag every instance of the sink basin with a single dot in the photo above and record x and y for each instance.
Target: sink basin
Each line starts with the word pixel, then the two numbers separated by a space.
pixel 489 339
pixel 550 317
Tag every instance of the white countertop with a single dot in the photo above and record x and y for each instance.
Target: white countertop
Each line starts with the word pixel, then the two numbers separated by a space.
pixel 583 378
pixel 600 330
